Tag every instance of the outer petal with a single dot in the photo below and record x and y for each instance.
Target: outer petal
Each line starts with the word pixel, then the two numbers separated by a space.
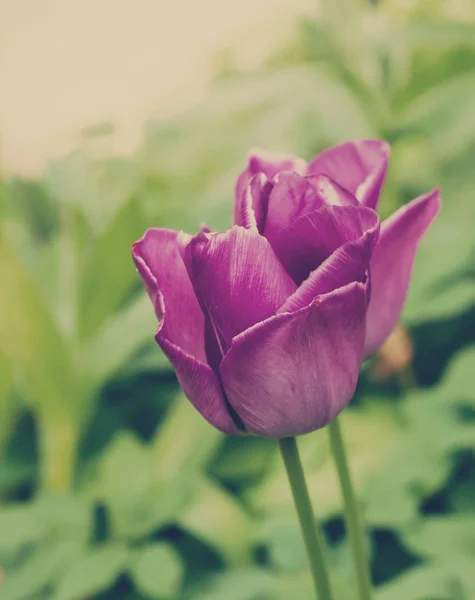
pixel 311 239
pixel 391 265
pixel 180 332
pixel 358 166
pixel 237 279
pixel 269 164
pixel 295 372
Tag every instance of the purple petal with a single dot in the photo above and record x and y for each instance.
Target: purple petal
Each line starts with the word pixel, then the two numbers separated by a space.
pixel 331 192
pixel 237 279
pixel 391 265
pixel 291 197
pixel 358 166
pixel 269 164
pixel 252 206
pixel 311 239
pixel 295 372
pixel 348 263
pixel 180 332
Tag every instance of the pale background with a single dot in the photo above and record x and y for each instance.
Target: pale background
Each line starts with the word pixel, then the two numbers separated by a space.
pixel 68 64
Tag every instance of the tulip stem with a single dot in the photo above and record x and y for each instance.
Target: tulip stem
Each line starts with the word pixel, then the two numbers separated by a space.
pixel 353 519
pixel 310 530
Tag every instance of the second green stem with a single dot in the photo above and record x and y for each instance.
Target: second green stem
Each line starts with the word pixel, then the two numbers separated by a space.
pixel 354 523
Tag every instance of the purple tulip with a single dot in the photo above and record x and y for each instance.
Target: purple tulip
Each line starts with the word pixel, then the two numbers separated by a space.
pixel 266 323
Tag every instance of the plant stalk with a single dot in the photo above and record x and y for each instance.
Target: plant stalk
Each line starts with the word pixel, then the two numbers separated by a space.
pixel 58 438
pixel 310 530
pixel 353 519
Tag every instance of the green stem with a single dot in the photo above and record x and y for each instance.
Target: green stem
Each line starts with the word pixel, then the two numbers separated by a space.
pixel 311 533
pixel 354 523
pixel 59 438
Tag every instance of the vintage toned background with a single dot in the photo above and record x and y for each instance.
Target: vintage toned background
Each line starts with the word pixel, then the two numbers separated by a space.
pixel 120 115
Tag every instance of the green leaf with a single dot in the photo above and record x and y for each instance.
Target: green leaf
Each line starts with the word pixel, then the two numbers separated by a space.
pixel 444 303
pixel 157 571
pixel 442 537
pixel 244 458
pixel 49 516
pixel 72 180
pixel 98 188
pixel 441 285
pixel 245 584
pixel 123 334
pixel 437 32
pixel 457 385
pixel 39 570
pixel 175 452
pixel 20 526
pixel 444 114
pixel 216 517
pixel 8 408
pixel 300 586
pixel 286 548
pixel 418 462
pixel 92 572
pixel 138 499
pixel 389 504
pixel 420 583
pixel 66 516
pixel 30 339
pixel 109 273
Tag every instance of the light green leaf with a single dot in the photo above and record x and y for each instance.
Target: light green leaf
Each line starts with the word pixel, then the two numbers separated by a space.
pixel 73 180
pixel 437 32
pixel 66 516
pixel 8 408
pixel 442 537
pixel 30 339
pixel 244 458
pixel 98 188
pixel 430 305
pixel 457 385
pixel 417 463
pixel 420 583
pixel 109 273
pixel 20 526
pixel 441 285
pixel 122 335
pixel 216 517
pixel 39 570
pixel 157 571
pixel 245 584
pixel 92 572
pixel 178 453
pixel 286 548
pixel 138 500
pixel 389 504
pixel 444 114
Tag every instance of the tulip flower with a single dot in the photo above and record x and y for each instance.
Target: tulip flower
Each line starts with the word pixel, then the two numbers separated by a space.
pixel 267 324
pixel 357 170
pixel 266 334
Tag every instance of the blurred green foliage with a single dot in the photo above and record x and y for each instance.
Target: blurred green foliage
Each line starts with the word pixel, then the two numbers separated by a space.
pixel 111 486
